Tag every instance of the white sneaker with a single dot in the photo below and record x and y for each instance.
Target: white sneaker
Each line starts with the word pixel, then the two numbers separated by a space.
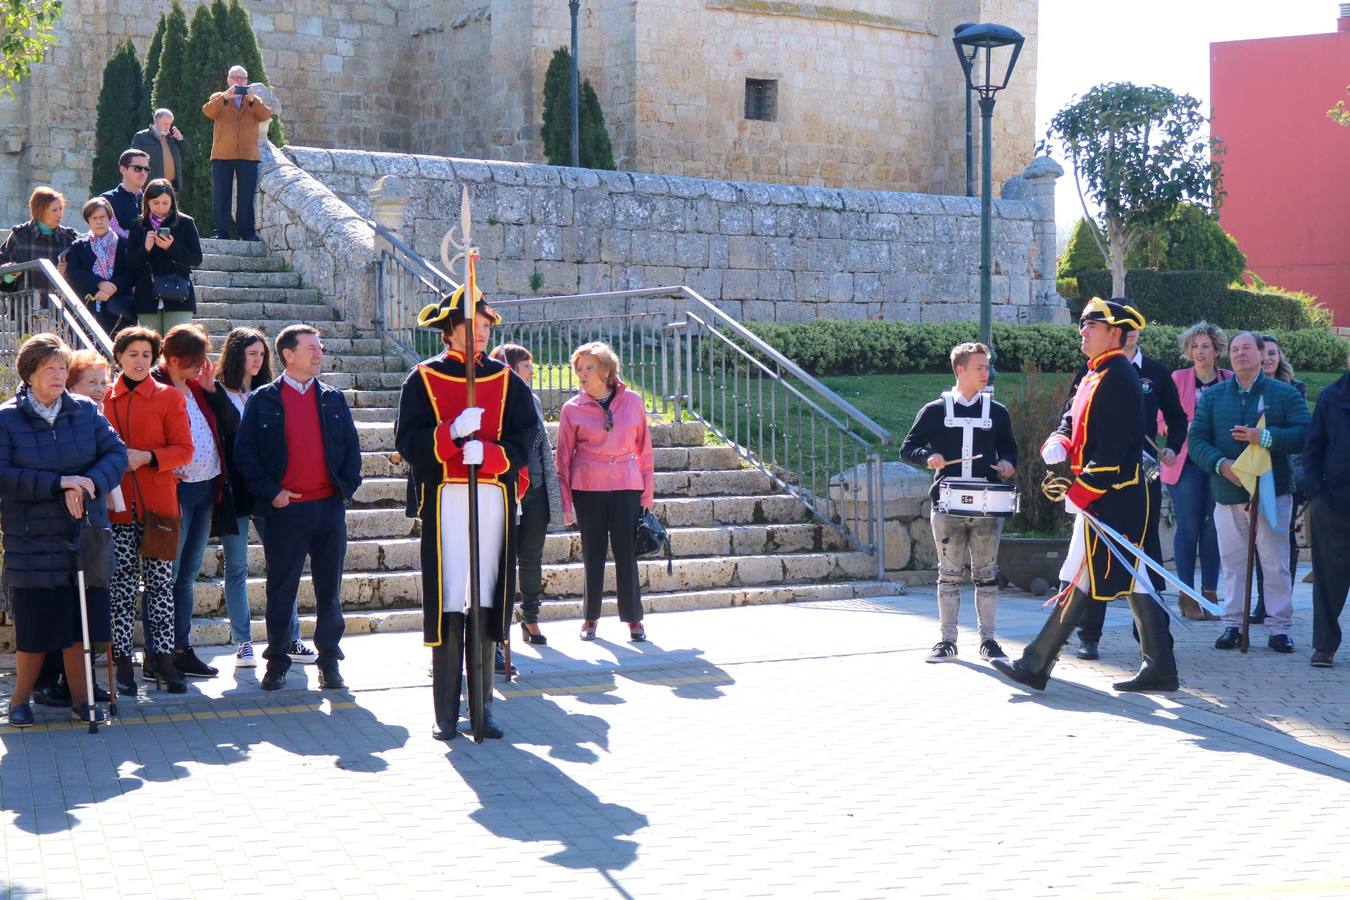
pixel 301 654
pixel 243 658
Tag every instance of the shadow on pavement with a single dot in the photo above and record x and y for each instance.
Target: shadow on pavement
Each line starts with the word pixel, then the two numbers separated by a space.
pixel 1068 696
pixel 48 774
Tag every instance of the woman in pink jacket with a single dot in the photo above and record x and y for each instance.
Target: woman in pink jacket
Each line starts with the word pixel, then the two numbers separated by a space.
pixel 606 476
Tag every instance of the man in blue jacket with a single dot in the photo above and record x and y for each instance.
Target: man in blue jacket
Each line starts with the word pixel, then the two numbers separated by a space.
pixel 1326 483
pixel 299 454
pixel 1225 424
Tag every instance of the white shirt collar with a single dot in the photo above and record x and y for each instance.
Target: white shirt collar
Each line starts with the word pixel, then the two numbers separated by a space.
pixel 956 395
pixel 300 387
pixel 1138 358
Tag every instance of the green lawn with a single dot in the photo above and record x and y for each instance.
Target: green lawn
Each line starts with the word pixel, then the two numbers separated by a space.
pixel 893 400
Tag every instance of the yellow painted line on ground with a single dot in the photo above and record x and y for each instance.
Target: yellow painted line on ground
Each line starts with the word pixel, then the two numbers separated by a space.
pixel 203 715
pixel 602 687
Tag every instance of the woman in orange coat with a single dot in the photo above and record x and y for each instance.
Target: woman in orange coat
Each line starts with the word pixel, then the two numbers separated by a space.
pixel 152 420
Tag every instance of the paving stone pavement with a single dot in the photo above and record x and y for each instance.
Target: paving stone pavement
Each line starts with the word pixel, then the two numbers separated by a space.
pixel 764 751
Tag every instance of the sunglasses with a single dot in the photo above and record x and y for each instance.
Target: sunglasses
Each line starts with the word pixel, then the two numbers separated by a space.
pixel 139 168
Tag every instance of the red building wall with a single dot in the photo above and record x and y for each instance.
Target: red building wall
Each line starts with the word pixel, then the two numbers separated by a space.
pixel 1287 167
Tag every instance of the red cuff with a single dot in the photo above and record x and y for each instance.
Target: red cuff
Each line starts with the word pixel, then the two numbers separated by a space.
pixel 445 447
pixel 1082 496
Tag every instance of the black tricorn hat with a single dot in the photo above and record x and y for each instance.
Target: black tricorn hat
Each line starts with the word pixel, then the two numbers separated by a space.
pixel 1115 312
pixel 449 311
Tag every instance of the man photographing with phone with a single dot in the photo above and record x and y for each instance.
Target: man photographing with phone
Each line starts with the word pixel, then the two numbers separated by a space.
pixel 236 112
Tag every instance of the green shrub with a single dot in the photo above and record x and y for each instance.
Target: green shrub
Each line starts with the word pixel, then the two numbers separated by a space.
pixel 829 347
pixel 1180 298
pixel 119 104
pixel 1191 239
pixel 1081 253
pixel 593 146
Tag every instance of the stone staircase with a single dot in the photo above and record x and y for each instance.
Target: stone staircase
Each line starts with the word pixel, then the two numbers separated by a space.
pixel 736 539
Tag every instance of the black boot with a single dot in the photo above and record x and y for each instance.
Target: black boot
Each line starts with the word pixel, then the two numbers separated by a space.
pixel 1038 659
pixel 447 677
pixel 166 674
pixel 490 727
pixel 1159 669
pixel 125 678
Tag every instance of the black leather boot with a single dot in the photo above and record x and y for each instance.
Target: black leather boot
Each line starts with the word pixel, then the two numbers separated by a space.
pixel 490 727
pixel 1159 669
pixel 166 674
pixel 1038 659
pixel 126 676
pixel 447 677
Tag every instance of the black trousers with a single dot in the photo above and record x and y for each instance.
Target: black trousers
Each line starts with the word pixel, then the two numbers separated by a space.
pixel 607 520
pixel 533 528
pixel 224 174
pixel 1330 536
pixel 317 529
pixel 1090 629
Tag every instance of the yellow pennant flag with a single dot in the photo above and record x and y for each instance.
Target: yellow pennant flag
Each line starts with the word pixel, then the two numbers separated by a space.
pixel 1252 463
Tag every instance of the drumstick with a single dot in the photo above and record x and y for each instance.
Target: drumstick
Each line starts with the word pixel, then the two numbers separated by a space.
pixel 956 462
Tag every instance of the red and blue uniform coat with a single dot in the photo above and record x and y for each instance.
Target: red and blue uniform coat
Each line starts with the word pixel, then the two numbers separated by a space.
pixel 432 396
pixel 1103 431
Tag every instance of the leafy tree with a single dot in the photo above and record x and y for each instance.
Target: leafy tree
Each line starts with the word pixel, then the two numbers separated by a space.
pixel 593 146
pixel 151 69
pixel 241 45
pixel 1340 113
pixel 26 30
pixel 1140 151
pixel 119 104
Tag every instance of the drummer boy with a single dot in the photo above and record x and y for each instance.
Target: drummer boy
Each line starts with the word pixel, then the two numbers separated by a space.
pixel 965 436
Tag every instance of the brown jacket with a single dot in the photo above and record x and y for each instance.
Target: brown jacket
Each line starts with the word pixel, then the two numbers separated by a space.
pixel 153 417
pixel 236 132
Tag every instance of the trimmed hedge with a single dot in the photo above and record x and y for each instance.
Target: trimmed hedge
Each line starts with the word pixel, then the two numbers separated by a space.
pixel 829 347
pixel 1180 298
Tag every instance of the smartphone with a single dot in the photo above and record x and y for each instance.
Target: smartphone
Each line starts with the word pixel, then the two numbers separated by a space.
pixel 162 232
pixel 241 89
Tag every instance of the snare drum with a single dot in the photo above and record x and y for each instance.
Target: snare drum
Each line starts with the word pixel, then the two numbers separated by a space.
pixel 977 498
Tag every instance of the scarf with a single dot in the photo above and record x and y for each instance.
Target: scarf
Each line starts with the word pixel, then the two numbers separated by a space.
pixel 155 222
pixel 105 253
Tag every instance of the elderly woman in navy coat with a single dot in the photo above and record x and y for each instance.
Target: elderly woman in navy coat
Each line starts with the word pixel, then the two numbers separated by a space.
pixel 59 458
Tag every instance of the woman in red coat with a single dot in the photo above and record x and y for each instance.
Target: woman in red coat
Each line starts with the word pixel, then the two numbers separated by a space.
pixel 152 420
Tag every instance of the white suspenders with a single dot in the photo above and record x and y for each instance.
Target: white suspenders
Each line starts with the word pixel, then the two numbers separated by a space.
pixel 967 426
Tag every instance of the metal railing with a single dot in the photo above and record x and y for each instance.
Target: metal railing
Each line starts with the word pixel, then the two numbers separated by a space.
pixel 52 307
pixel 689 360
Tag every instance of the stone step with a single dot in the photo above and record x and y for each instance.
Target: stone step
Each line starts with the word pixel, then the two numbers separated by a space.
pixel 248 314
pixel 332 346
pixel 226 279
pixel 378 463
pixel 234 248
pixel 255 295
pixel 374 399
pixel 401 554
pixel 270 327
pixel 380 435
pixel 208 632
pixel 391 590
pixel 228 262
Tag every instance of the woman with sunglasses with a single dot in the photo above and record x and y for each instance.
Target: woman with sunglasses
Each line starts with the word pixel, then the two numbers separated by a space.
pixel 607 477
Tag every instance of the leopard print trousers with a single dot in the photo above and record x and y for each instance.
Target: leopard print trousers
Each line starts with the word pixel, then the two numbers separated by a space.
pixel 130 569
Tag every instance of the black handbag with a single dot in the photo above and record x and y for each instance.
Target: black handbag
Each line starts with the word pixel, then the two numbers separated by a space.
pixel 649 536
pixel 172 288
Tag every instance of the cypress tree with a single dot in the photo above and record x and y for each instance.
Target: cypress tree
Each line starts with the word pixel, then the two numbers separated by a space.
pixel 151 69
pixel 556 130
pixel 168 89
pixel 595 150
pixel 119 102
pixel 203 75
pixel 1081 253
pixel 242 47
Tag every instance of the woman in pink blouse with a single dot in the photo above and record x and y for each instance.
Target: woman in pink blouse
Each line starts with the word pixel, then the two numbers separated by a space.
pixel 606 476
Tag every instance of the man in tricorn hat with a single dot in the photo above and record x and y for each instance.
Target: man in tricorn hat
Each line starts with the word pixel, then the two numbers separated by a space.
pixel 1102 437
pixel 440 436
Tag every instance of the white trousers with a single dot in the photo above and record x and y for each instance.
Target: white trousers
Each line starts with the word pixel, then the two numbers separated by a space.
pixel 1231 523
pixel 454 510
pixel 1073 571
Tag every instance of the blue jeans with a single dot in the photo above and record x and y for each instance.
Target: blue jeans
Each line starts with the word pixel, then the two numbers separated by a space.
pixel 235 547
pixel 1193 505
pixel 195 502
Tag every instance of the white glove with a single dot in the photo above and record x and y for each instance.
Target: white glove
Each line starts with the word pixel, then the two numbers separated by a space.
pixel 466 423
pixel 1052 451
pixel 1070 507
pixel 472 452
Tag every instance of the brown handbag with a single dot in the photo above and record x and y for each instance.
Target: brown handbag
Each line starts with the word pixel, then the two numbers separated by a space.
pixel 160 539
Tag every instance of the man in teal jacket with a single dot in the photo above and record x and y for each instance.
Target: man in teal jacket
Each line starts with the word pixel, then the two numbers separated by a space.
pixel 1224 425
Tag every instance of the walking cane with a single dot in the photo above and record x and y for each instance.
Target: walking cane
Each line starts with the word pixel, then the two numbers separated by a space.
pixel 1247 586
pixel 88 655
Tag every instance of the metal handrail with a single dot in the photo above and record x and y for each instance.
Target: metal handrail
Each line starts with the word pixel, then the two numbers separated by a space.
pixel 688 357
pixel 76 322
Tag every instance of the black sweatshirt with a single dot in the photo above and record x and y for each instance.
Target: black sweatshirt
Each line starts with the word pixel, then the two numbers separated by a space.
pixel 929 434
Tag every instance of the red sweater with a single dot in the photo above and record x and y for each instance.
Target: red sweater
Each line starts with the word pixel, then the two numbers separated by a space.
pixel 306 464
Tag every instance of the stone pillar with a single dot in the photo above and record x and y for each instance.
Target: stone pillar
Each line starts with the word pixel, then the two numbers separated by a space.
pixel 389 198
pixel 1036 187
pixel 265 94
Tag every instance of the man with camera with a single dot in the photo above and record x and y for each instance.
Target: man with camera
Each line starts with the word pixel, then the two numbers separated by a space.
pixel 236 112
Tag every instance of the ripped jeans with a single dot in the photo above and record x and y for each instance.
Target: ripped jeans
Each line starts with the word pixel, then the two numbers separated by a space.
pixel 963 540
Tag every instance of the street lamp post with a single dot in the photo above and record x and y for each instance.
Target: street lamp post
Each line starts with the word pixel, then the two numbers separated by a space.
pixel 575 7
pixel 981 79
pixel 967 60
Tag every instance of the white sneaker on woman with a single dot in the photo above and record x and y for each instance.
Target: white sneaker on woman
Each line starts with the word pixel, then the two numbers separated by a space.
pixel 243 657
